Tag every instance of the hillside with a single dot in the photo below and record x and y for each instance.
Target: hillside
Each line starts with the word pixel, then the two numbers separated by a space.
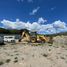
pixel 9 31
pixel 15 31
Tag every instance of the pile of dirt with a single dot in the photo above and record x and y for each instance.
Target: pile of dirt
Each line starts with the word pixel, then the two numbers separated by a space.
pixel 60 40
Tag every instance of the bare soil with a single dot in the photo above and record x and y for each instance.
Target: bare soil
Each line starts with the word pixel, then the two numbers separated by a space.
pixel 26 55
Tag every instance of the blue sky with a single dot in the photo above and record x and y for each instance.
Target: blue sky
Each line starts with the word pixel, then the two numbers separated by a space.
pixel 43 12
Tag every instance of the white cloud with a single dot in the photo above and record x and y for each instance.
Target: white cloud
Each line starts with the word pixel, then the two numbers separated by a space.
pixel 55 27
pixel 34 11
pixel 41 20
pixel 13 25
pixel 53 8
pixel 59 24
pixel 32 26
pixel 17 20
pixel 20 25
pixel 8 24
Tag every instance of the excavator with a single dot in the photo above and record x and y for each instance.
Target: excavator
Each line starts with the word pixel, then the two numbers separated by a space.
pixel 28 37
pixel 46 39
pixel 33 37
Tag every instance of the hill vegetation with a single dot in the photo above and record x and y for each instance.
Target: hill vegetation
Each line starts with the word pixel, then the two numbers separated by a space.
pixel 15 31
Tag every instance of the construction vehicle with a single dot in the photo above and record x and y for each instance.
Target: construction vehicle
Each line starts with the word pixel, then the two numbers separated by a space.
pixel 24 36
pixel 43 38
pixel 29 36
pixel 33 37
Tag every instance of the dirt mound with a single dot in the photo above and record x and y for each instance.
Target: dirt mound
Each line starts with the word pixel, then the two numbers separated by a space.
pixel 60 39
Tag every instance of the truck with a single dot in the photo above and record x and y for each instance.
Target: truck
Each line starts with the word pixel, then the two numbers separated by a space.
pixel 8 38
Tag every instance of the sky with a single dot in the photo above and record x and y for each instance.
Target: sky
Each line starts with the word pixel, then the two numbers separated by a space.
pixel 43 16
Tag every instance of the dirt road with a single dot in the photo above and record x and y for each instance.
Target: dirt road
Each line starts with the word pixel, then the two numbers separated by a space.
pixel 45 55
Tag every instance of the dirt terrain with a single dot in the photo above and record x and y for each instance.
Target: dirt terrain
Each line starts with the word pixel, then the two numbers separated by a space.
pixel 35 55
pixel 27 55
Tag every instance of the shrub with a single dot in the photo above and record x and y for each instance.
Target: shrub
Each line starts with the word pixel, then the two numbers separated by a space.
pixel 1 62
pixel 8 60
pixel 62 58
pixel 49 49
pixel 16 60
pixel 45 55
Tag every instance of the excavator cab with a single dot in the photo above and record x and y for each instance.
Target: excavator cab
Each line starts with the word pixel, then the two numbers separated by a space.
pixel 33 37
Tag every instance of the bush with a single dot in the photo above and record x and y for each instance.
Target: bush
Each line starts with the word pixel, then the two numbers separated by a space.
pixel 49 49
pixel 16 61
pixel 8 60
pixel 16 58
pixel 45 55
pixel 62 57
pixel 1 62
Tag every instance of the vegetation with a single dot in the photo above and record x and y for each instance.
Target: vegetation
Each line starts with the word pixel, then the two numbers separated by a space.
pixel 62 57
pixel 9 31
pixel 45 55
pixel 16 60
pixel 16 57
pixel 15 31
pixel 8 60
pixel 1 62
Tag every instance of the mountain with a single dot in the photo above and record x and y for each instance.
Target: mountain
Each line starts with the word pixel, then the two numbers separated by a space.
pixel 9 31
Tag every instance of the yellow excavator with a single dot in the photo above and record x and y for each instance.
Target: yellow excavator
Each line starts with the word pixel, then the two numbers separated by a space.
pixel 33 37
pixel 44 38
pixel 28 37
